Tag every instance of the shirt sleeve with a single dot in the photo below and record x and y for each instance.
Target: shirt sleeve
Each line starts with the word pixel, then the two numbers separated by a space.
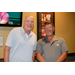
pixel 39 47
pixel 9 40
pixel 64 46
pixel 35 44
pixel 5 17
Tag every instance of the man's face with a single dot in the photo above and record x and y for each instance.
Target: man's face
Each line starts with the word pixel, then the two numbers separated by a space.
pixel 49 29
pixel 29 23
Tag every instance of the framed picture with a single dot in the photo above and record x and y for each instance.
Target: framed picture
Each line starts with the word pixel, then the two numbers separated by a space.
pixel 14 19
pixel 43 17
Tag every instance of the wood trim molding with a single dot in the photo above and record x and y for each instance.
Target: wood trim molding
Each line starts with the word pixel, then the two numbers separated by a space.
pixel 71 54
pixel 1 60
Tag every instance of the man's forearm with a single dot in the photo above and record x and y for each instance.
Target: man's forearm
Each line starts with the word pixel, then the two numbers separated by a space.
pixel 33 59
pixel 40 58
pixel 62 57
pixel 6 54
pixel 33 56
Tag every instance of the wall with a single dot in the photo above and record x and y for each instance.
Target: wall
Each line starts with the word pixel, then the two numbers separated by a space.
pixel 64 27
pixel 4 31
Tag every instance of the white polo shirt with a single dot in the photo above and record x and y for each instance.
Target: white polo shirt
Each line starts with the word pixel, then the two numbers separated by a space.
pixel 21 44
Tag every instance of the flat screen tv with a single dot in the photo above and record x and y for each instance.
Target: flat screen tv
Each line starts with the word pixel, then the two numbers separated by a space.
pixel 15 19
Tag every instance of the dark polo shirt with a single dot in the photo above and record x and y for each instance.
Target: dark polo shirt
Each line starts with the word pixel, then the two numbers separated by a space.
pixel 51 51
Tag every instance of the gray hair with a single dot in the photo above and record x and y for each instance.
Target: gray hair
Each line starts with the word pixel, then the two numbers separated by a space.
pixel 46 23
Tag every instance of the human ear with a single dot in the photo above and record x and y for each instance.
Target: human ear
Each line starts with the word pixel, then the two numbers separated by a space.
pixel 53 28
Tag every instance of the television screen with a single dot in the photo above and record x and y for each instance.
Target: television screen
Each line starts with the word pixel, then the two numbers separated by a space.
pixel 11 19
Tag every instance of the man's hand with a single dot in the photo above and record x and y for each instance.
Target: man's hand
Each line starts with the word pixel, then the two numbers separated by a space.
pixel 40 58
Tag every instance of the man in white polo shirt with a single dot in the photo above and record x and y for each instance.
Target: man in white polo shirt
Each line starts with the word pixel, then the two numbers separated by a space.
pixel 21 43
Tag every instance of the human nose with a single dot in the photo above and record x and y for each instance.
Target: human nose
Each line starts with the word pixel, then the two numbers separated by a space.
pixel 29 22
pixel 48 28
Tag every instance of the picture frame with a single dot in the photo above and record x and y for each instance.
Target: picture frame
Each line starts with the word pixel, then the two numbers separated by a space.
pixel 15 19
pixel 43 17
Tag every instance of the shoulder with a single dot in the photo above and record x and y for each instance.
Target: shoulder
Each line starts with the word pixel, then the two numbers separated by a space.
pixel 17 28
pixel 41 40
pixel 34 34
pixel 4 14
pixel 7 14
pixel 59 38
pixel 14 30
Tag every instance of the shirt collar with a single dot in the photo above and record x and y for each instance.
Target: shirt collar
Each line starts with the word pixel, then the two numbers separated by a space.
pixel 54 39
pixel 23 32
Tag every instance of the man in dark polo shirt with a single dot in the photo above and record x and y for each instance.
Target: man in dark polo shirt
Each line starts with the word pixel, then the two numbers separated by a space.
pixel 51 48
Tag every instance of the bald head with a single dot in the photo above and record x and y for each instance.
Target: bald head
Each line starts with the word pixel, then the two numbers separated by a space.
pixel 29 16
pixel 28 23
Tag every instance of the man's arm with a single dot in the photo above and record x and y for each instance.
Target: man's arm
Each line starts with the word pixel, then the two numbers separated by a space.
pixel 62 57
pixel 33 56
pixel 3 22
pixel 6 53
pixel 40 58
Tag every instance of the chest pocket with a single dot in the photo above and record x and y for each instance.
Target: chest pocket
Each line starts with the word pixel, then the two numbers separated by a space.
pixel 57 48
pixel 46 49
